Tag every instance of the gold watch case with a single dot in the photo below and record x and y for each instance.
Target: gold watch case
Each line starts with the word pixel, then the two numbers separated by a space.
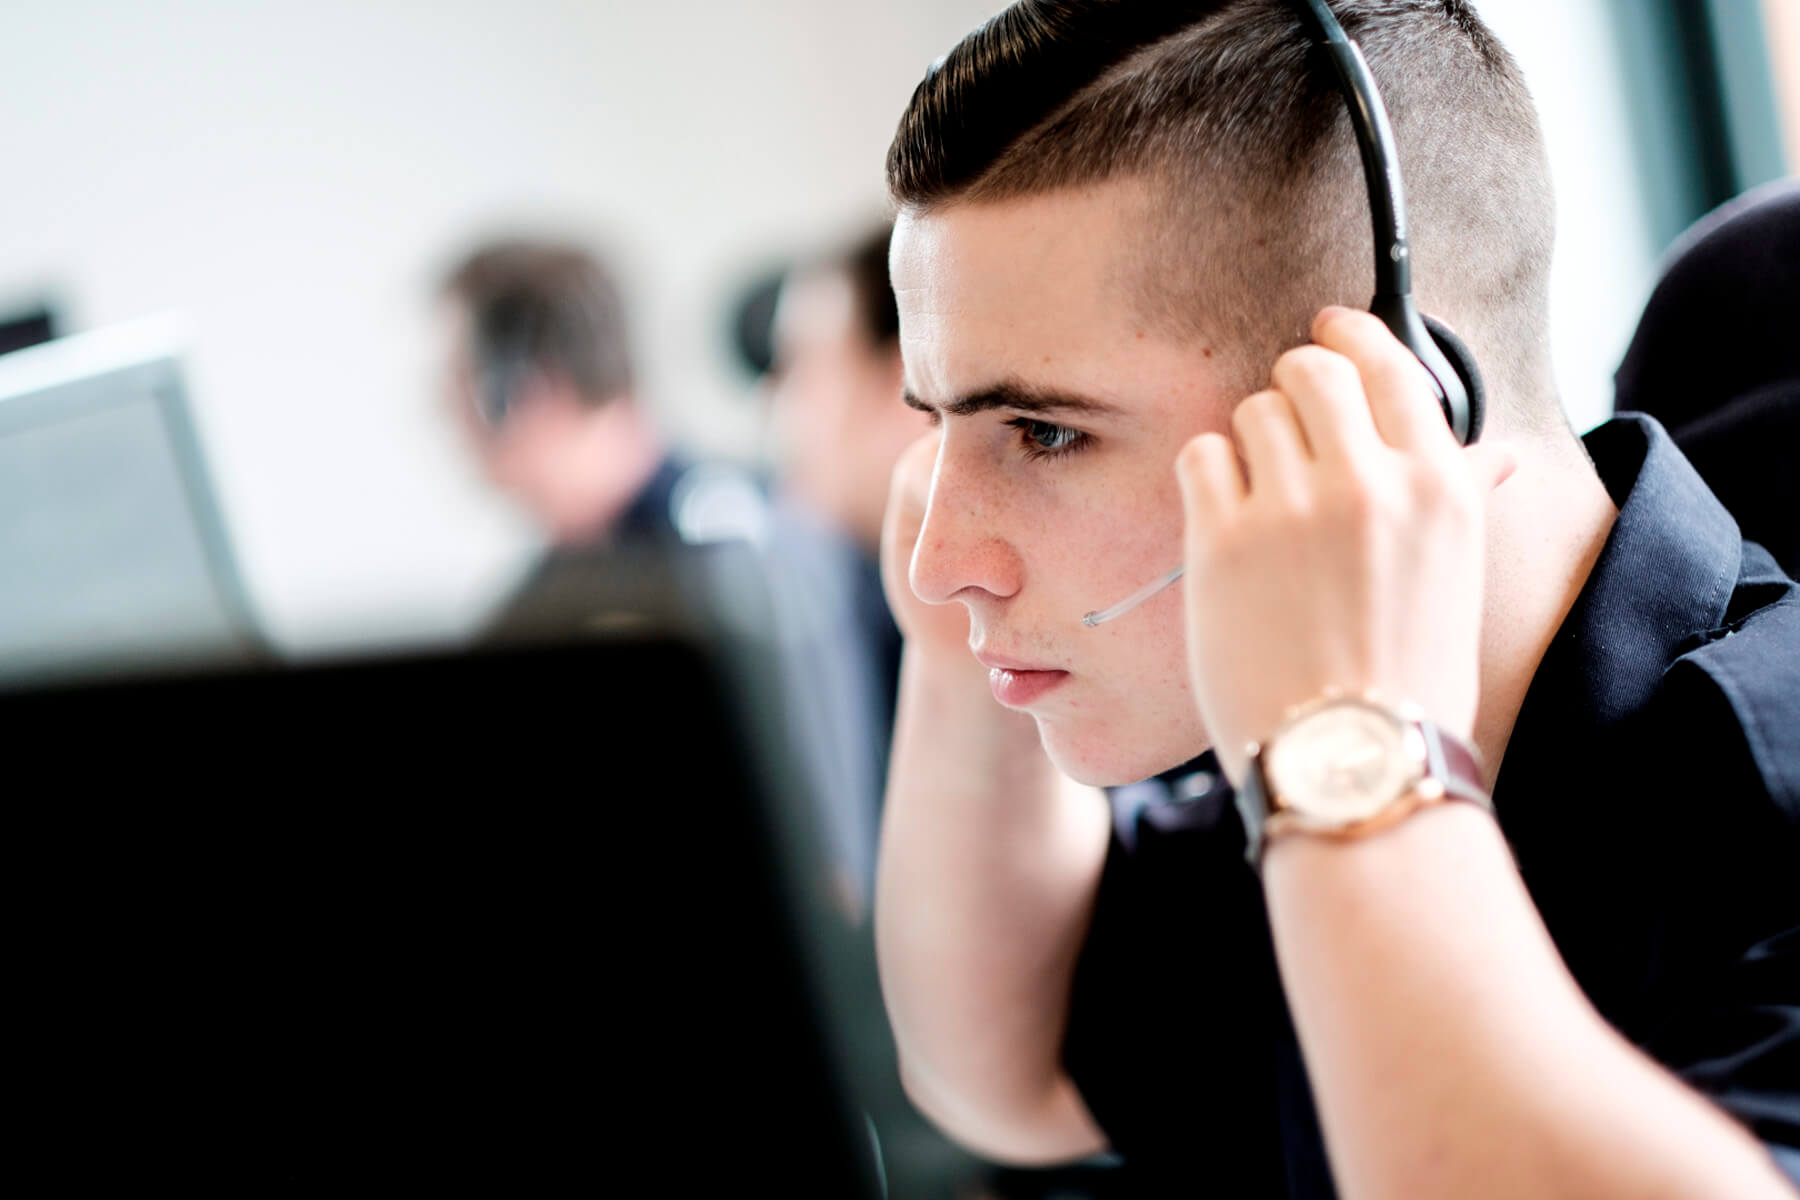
pixel 1346 766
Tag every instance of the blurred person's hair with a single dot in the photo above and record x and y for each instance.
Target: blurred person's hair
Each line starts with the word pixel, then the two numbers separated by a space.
pixel 866 266
pixel 862 263
pixel 1257 210
pixel 550 307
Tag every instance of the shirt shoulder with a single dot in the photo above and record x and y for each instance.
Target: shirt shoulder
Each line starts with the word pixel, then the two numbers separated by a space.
pixel 1746 674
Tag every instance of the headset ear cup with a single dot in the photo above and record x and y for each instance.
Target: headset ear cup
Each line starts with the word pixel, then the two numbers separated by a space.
pixel 1462 361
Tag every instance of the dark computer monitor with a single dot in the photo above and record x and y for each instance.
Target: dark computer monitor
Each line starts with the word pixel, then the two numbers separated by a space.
pixel 538 915
pixel 113 548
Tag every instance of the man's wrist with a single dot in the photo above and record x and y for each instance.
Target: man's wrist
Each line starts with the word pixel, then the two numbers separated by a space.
pixel 1346 767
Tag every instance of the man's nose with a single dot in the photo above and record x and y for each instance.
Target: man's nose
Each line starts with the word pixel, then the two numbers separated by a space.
pixel 961 553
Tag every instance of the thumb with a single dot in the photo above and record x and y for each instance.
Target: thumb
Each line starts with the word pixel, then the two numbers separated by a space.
pixel 1491 463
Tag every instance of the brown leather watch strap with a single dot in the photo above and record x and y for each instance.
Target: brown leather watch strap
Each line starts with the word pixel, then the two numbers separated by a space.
pixel 1455 764
pixel 1452 771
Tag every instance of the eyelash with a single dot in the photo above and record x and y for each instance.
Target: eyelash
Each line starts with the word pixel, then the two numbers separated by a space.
pixel 1072 440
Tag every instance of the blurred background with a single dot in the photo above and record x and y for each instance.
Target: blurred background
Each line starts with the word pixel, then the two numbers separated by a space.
pixel 296 182
pixel 296 177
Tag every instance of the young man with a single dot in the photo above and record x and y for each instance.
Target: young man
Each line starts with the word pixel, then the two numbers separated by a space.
pixel 539 373
pixel 1124 232
pixel 538 370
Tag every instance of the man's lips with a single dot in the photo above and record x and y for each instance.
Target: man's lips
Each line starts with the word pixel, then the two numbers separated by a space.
pixel 1005 662
pixel 1016 683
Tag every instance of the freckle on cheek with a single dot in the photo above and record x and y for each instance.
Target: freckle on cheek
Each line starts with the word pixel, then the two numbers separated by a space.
pixel 1207 351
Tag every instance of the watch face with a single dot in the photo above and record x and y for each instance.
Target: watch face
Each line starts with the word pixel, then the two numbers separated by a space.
pixel 1342 763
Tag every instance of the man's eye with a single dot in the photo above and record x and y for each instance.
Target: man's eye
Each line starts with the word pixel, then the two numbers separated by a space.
pixel 1041 439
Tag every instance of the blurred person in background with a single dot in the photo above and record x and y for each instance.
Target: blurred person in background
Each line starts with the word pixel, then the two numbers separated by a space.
pixel 832 383
pixel 539 375
pixel 538 372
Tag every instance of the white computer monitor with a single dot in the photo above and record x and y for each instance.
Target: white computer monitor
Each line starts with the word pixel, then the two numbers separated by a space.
pixel 114 556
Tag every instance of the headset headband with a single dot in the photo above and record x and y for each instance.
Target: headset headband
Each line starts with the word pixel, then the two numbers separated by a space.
pixel 1459 390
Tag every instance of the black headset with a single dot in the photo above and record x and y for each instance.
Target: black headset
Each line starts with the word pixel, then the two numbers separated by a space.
pixel 507 338
pixel 1451 366
pixel 500 377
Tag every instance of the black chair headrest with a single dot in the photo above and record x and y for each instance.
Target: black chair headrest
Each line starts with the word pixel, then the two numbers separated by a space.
pixel 1716 358
pixel 1724 320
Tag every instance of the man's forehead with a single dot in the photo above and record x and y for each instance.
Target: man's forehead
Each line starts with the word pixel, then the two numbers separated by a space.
pixel 1076 236
pixel 1024 295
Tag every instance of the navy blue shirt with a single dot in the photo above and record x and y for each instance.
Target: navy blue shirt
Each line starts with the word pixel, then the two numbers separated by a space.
pixel 1650 793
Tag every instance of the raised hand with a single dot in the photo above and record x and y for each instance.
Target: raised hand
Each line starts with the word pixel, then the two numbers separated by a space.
pixel 1344 550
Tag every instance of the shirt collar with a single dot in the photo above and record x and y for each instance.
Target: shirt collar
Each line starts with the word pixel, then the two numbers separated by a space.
pixel 1665 574
pixel 650 513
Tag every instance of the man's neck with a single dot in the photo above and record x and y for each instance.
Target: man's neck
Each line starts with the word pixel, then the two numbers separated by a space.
pixel 613 457
pixel 1547 527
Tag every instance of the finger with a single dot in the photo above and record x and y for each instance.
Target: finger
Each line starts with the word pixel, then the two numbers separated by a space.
pixel 1212 485
pixel 1328 398
pixel 1273 445
pixel 1402 395
pixel 1491 463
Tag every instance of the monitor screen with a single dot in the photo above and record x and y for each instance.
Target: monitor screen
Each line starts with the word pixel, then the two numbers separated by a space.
pixel 111 540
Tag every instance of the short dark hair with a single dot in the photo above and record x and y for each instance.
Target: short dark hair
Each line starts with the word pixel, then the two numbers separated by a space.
pixel 551 306
pixel 1226 109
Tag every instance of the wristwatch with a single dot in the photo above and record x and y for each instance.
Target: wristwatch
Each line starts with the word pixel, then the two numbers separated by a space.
pixel 1348 766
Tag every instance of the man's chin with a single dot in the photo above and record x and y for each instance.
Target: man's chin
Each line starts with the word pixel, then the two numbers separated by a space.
pixel 1090 762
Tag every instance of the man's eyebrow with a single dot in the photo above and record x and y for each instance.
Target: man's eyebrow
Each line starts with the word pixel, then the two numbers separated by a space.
pixel 1019 397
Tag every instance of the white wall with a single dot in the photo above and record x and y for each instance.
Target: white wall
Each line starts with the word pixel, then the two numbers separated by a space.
pixel 294 174
pixel 1606 248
